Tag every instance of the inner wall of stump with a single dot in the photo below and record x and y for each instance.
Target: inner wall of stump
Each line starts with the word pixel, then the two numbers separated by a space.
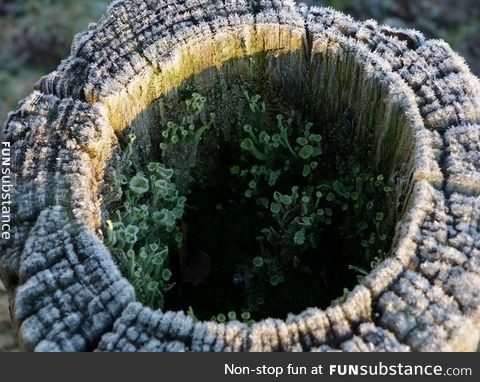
pixel 330 82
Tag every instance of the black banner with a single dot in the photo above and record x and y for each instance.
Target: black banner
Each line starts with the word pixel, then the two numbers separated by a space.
pixel 244 366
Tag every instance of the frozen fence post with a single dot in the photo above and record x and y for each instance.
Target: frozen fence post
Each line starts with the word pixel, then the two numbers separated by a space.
pixel 418 96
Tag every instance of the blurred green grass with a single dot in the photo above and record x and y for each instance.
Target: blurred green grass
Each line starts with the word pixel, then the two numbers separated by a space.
pixel 35 35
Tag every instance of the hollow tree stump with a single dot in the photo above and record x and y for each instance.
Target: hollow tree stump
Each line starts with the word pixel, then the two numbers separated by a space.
pixel 419 97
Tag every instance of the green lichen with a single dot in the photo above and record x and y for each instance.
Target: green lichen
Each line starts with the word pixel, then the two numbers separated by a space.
pixel 252 219
pixel 145 227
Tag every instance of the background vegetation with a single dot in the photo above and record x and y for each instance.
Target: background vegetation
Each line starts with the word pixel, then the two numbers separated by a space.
pixel 36 34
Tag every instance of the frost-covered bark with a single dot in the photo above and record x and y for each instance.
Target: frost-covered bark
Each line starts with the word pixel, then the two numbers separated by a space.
pixel 417 96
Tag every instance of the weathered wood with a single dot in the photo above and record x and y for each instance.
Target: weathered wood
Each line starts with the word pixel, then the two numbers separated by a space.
pixel 418 96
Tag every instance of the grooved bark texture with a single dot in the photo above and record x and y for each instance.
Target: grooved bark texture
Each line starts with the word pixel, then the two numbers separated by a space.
pixel 66 293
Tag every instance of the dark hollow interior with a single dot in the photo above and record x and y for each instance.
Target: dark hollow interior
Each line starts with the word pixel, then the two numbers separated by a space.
pixel 353 114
